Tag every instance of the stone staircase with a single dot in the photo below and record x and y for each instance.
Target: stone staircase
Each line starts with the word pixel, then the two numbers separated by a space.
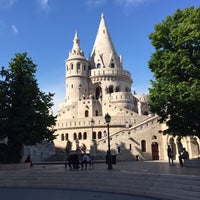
pixel 154 185
pixel 59 156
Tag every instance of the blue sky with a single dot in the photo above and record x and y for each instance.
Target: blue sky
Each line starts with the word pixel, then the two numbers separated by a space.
pixel 45 29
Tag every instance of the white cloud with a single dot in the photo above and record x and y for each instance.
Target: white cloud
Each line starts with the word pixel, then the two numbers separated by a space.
pixel 43 4
pixel 6 3
pixel 131 3
pixel 15 29
pixel 122 3
pixel 96 3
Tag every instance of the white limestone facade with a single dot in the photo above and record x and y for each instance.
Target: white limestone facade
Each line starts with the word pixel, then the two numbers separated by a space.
pixel 100 85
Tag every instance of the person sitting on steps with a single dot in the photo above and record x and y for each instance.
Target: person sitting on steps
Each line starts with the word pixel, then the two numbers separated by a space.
pixel 73 161
pixel 183 156
pixel 85 161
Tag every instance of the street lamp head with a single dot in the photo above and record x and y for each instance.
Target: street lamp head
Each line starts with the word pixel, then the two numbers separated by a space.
pixel 92 122
pixel 107 118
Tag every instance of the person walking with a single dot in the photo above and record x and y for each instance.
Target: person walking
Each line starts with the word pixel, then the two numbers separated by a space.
pixel 170 156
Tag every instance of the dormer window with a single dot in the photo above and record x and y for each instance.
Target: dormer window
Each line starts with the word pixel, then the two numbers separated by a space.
pixel 112 65
pixel 98 65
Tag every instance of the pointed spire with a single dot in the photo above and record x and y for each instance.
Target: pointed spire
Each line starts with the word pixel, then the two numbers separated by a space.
pixel 76 45
pixel 103 49
pixel 76 50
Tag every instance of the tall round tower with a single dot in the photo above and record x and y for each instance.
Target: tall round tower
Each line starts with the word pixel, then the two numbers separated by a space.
pixel 76 73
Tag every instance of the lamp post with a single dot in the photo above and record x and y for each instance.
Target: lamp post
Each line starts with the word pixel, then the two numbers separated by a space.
pixel 92 125
pixel 92 146
pixel 109 158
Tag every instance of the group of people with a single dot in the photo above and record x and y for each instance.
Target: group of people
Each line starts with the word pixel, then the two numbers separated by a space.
pixel 183 156
pixel 73 161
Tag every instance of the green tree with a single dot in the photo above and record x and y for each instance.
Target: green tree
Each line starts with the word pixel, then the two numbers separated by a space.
pixel 24 109
pixel 68 147
pixel 175 91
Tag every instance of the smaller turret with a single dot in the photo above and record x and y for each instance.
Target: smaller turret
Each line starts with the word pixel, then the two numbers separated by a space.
pixel 76 73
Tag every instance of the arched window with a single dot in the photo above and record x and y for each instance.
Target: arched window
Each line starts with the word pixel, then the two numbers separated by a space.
pixel 127 89
pixel 94 136
pixel 80 136
pixel 85 136
pixel 98 92
pixel 96 113
pixel 75 136
pixel 105 134
pixel 66 136
pixel 78 66
pixel 112 65
pixel 86 113
pixel 71 66
pixel 98 65
pixel 111 89
pixel 62 137
pixel 99 135
pixel 117 89
pixel 143 145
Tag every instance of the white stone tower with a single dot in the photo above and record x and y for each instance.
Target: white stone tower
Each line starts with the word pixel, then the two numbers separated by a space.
pixel 94 87
pixel 97 86
pixel 76 73
pixel 107 69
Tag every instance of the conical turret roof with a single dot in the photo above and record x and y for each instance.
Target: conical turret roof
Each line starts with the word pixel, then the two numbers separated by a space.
pixel 104 52
pixel 76 49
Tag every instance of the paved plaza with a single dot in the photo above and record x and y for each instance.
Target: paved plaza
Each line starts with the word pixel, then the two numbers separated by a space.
pixel 60 194
pixel 136 180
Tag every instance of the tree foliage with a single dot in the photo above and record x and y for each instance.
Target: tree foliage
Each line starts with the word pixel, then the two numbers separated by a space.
pixel 24 109
pixel 175 91
pixel 68 147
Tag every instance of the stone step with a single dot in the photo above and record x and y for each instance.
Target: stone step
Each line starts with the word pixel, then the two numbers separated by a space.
pixel 166 187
